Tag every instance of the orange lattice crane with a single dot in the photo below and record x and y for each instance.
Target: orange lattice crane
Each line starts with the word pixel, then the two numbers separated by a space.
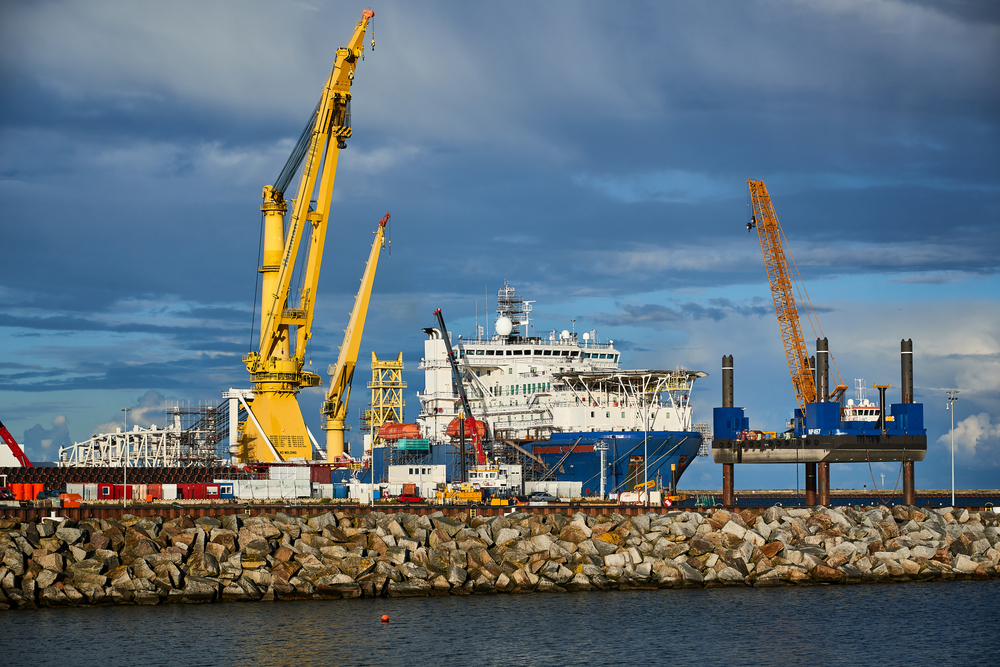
pixel 780 276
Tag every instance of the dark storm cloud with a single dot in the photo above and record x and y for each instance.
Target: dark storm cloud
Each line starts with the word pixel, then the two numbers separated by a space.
pixel 715 309
pixel 190 373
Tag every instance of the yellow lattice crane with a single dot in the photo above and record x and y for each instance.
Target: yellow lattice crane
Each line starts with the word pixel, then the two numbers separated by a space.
pixel 341 373
pixel 780 276
pixel 276 430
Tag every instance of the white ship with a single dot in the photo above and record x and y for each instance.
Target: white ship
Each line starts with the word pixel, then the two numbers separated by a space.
pixel 558 395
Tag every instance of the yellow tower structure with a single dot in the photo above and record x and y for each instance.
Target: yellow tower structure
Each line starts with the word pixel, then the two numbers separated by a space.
pixel 275 430
pixel 387 387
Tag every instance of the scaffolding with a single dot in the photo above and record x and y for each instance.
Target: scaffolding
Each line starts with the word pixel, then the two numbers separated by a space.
pixel 387 387
pixel 514 308
pixel 706 437
pixel 192 439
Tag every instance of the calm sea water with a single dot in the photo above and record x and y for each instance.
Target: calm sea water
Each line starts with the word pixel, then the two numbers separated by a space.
pixel 901 624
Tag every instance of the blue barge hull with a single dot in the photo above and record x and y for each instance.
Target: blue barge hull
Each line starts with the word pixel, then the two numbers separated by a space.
pixel 572 457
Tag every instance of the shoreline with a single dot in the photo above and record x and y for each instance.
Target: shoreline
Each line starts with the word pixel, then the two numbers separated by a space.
pixel 329 555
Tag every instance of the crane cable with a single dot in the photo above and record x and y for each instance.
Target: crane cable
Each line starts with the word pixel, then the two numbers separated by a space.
pixel 810 312
pixel 256 280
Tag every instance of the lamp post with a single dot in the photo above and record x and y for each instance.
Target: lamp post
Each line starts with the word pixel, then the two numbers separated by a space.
pixel 952 397
pixel 645 447
pixel 125 461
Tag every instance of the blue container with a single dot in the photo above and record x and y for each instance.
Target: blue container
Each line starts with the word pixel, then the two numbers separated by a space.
pixel 340 491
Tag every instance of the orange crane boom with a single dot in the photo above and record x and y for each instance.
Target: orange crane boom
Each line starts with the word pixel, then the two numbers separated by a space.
pixel 778 275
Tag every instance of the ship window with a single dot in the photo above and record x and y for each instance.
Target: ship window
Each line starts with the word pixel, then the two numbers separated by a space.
pixel 623 415
pixel 604 356
pixel 564 352
pixel 510 371
pixel 607 414
pixel 574 353
pixel 517 353
pixel 411 471
pixel 538 352
pixel 591 413
pixel 548 353
pixel 479 351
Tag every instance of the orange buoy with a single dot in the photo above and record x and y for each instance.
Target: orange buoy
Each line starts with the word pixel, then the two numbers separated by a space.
pixel 385 618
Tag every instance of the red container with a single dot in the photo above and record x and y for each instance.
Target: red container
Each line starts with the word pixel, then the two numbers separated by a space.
pixel 36 489
pixel 18 490
pixel 156 491
pixel 319 474
pixel 105 491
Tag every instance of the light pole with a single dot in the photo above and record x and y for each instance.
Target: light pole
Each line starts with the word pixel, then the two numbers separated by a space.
pixel 952 397
pixel 883 481
pixel 645 447
pixel 125 461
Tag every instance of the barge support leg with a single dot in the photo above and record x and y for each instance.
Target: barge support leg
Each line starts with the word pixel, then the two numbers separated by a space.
pixel 728 496
pixel 824 483
pixel 810 484
pixel 909 495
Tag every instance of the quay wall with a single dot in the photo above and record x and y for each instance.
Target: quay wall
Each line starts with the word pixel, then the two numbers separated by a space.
pixel 187 555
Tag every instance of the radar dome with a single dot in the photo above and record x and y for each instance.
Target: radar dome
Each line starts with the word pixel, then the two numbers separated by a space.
pixel 503 326
pixel 565 334
pixel 586 336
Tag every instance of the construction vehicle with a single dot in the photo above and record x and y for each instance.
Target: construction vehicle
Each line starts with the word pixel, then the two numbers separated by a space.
pixel 335 406
pixel 275 430
pixel 773 246
pixel 462 494
pixel 469 424
pixel 15 449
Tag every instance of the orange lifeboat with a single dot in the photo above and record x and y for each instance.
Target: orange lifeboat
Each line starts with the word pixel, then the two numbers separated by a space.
pixel 396 431
pixel 454 432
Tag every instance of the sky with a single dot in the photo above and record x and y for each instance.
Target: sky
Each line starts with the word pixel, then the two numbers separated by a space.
pixel 595 155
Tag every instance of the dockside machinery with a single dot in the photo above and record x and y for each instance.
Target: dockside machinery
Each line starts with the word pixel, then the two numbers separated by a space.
pixel 275 430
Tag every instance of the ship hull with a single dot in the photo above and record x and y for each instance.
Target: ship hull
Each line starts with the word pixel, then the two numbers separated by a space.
pixel 572 457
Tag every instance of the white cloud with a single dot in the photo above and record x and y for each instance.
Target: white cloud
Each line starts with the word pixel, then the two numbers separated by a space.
pixel 977 438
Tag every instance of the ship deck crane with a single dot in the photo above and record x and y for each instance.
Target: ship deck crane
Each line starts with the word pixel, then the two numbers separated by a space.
pixel 470 421
pixel 773 247
pixel 341 374
pixel 277 431
pixel 15 449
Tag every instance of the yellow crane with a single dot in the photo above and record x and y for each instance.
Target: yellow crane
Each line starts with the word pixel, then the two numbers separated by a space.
pixel 780 277
pixel 276 430
pixel 341 373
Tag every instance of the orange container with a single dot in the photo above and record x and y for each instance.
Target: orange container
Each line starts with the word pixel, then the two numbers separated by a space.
pixel 36 489
pixel 18 490
pixel 70 499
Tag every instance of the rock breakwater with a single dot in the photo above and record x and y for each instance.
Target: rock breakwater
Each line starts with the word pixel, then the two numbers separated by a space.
pixel 339 555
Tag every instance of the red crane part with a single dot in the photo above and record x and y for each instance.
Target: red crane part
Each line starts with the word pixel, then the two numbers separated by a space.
pixel 14 447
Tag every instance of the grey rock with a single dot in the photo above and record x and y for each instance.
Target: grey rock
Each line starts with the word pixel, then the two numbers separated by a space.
pixel 409 588
pixel 413 571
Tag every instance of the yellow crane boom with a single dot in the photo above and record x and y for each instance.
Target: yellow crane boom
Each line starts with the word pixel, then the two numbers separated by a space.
pixel 341 373
pixel 277 430
pixel 778 275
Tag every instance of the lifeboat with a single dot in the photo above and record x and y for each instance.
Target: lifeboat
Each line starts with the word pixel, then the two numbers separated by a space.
pixel 454 432
pixel 396 431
